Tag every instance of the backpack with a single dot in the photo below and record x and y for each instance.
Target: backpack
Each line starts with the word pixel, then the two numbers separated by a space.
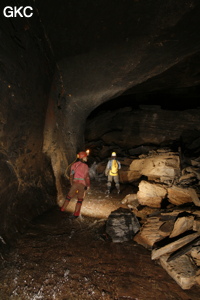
pixel 114 168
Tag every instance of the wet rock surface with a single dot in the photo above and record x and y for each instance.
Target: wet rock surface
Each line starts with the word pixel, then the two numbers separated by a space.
pixel 58 258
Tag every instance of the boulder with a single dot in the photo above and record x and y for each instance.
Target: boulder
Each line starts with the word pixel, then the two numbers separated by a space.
pixel 149 233
pixel 181 270
pixel 151 194
pixel 128 176
pixel 179 196
pixel 173 246
pixel 131 201
pixel 122 225
pixel 162 166
pixel 182 224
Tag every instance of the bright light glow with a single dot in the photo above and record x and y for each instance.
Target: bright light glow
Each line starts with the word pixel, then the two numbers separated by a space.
pixel 99 208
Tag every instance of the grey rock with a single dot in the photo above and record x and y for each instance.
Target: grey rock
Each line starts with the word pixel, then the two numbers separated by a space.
pixel 122 225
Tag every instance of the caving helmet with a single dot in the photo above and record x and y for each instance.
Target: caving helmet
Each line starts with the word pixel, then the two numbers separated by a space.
pixel 82 154
pixel 114 154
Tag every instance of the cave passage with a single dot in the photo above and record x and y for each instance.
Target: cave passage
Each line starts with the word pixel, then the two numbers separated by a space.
pixel 120 76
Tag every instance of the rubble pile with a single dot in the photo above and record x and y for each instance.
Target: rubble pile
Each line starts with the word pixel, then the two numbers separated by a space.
pixel 168 206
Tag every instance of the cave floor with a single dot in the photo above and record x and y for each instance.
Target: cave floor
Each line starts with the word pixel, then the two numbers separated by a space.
pixel 59 258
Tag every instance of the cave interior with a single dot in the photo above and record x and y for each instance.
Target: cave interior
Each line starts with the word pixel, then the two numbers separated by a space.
pixel 104 75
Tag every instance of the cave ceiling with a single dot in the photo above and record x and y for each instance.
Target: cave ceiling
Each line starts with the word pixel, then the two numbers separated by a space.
pixel 105 49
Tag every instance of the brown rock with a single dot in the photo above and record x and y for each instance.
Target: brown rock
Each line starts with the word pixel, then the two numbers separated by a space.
pixel 173 246
pixel 181 270
pixel 181 225
pixel 195 254
pixel 149 233
pixel 128 176
pixel 158 166
pixel 178 196
pixel 151 194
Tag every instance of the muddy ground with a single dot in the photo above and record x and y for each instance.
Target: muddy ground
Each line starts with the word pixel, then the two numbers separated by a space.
pixel 58 258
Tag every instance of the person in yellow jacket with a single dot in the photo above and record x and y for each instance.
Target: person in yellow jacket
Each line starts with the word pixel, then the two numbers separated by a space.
pixel 111 171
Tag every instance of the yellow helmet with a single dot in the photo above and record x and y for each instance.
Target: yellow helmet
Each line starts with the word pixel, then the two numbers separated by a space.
pixel 113 154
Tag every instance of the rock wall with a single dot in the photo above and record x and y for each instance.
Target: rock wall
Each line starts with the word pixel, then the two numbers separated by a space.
pixel 148 125
pixel 26 176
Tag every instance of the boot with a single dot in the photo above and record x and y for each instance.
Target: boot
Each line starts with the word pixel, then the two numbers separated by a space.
pixel 118 189
pixel 63 208
pixel 78 208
